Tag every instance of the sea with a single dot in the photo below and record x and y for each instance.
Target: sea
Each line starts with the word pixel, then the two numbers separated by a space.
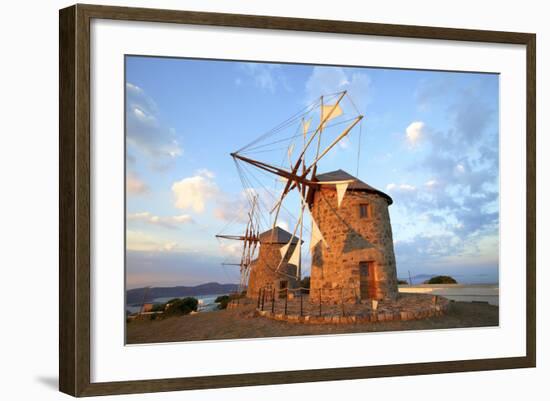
pixel 206 303
pixel 461 278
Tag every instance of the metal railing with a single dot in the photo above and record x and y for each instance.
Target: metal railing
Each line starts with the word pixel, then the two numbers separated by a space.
pixel 316 300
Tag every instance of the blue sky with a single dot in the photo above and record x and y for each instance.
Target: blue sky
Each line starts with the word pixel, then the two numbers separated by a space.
pixel 429 139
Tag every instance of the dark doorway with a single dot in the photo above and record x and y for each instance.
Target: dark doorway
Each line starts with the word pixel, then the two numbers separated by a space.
pixel 283 288
pixel 367 287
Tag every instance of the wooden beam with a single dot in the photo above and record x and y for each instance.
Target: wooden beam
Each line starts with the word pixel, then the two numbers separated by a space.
pixel 238 237
pixel 338 139
pixel 290 176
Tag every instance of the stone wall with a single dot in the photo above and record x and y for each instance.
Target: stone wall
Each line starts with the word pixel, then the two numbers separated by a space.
pixel 335 272
pixel 415 311
pixel 263 274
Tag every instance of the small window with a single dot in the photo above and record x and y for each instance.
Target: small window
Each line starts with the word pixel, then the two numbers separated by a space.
pixel 283 284
pixel 365 211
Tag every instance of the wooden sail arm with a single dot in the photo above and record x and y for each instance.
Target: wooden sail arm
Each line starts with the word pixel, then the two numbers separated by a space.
pixel 321 124
pixel 338 139
pixel 262 165
pixel 251 238
pixel 300 159
pixel 290 176
pixel 313 183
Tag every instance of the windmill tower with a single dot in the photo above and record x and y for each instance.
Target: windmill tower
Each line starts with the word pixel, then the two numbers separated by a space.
pixel 354 257
pixel 250 240
pixel 351 239
pixel 269 270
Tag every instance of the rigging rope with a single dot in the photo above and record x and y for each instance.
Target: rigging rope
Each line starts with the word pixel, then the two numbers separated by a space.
pixel 359 148
pixel 252 149
pixel 282 125
pixel 275 198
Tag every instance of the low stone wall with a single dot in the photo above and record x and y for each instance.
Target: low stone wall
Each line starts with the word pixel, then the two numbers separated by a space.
pixel 241 302
pixel 420 306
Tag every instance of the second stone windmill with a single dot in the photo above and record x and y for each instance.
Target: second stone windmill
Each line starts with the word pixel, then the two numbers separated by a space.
pixel 351 252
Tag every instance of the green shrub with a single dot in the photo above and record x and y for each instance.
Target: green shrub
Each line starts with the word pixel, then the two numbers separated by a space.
pixel 172 300
pixel 181 306
pixel 158 307
pixel 441 280
pixel 223 300
pixel 402 282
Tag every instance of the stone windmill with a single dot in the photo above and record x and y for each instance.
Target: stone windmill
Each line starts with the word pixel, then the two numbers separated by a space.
pixel 263 272
pixel 351 240
pixel 359 261
pixel 250 240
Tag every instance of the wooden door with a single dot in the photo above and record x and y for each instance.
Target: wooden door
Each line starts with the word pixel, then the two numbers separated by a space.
pixel 366 280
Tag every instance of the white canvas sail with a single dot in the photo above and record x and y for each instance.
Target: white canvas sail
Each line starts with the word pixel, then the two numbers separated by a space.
pixel 341 191
pixel 330 111
pixel 316 235
pixel 284 250
pixel 290 151
pixel 296 256
pixel 305 125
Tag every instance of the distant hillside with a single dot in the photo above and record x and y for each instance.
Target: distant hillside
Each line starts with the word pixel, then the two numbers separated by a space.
pixel 135 296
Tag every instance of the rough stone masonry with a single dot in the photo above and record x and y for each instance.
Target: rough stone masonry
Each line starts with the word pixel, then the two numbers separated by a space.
pixel 357 262
pixel 264 272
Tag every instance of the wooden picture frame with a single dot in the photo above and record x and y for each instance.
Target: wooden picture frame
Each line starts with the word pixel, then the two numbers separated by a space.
pixel 75 206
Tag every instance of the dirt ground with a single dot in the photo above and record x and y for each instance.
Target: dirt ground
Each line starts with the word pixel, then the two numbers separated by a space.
pixel 241 323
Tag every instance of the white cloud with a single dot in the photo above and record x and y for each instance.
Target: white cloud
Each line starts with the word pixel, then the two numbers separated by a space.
pixel 135 186
pixel 231 210
pixel 197 191
pixel 407 187
pixel 194 192
pixel 145 130
pixel 205 173
pixel 265 76
pixel 168 222
pixel 231 248
pixel 139 241
pixel 170 246
pixel 431 184
pixel 234 208
pixel 283 224
pixel 328 80
pixel 400 187
pixel 415 131
pixel 345 143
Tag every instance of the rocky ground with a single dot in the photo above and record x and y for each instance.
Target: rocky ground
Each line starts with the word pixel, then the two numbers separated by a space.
pixel 244 323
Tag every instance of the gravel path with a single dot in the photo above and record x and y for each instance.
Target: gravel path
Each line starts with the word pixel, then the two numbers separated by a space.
pixel 241 323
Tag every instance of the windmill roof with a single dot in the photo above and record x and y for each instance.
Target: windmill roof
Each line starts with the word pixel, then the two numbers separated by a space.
pixel 277 236
pixel 357 185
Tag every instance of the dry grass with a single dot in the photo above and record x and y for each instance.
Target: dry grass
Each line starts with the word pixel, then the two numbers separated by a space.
pixel 241 323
